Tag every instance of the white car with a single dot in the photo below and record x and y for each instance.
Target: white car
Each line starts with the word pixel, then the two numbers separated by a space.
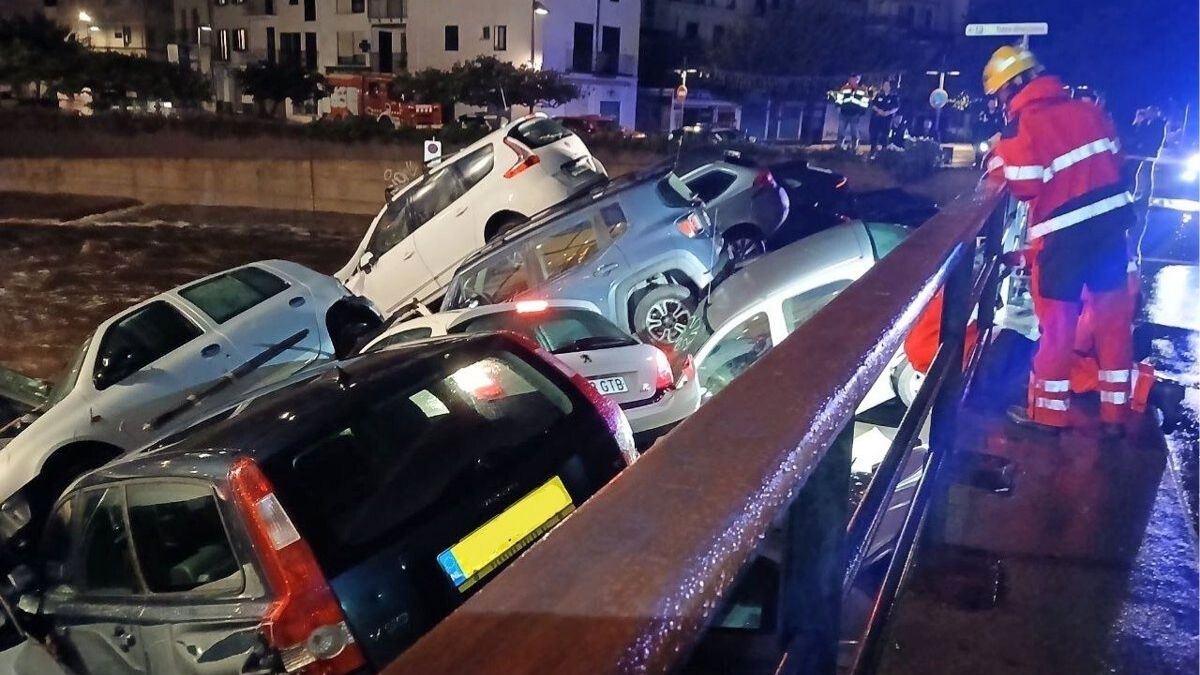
pixel 416 242
pixel 761 304
pixel 166 362
pixel 637 376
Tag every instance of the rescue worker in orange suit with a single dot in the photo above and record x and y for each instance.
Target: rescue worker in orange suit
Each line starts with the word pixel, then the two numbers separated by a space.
pixel 1062 157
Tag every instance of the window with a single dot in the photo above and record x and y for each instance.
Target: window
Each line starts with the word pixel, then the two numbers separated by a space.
pixel 566 247
pixel 434 194
pixel 142 337
pixel 310 51
pixel 711 185
pixel 179 539
pixel 610 50
pixel 351 6
pixel 349 50
pixel 928 19
pixel 613 217
pixel 539 132
pixel 50 3
pixel 674 192
pixel 734 353
pixel 402 337
pixel 239 40
pixel 800 308
pixel 451 38
pixel 885 237
pixel 612 111
pixel 289 48
pixel 499 278
pixel 228 295
pixel 718 34
pixel 404 461
pixel 558 329
pixel 269 7
pixel 223 44
pixel 105 560
pixel 394 225
pixel 310 10
pixel 475 166
pixel 487 33
pixel 691 30
pixel 500 43
pixel 270 45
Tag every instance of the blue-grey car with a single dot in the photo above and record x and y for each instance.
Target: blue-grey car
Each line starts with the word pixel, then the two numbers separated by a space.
pixel 642 249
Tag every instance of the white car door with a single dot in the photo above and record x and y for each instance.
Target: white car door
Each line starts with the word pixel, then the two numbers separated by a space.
pixel 390 273
pixel 148 362
pixel 454 213
pixel 268 320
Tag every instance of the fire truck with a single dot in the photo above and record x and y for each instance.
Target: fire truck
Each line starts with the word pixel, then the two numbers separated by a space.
pixel 367 95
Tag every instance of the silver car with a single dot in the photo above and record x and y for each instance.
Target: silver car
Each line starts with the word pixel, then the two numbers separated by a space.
pixel 636 376
pixel 744 201
pixel 641 249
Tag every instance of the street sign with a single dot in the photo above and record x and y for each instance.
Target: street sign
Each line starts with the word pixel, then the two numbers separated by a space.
pixel 1006 29
pixel 938 99
pixel 433 150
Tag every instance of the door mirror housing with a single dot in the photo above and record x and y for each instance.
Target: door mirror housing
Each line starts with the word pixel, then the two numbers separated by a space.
pixel 115 367
pixel 366 261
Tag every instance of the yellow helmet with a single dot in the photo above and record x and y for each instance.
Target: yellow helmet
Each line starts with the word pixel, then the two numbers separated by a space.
pixel 1007 63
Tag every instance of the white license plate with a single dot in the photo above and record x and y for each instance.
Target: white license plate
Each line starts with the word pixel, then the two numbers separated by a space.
pixel 580 167
pixel 610 385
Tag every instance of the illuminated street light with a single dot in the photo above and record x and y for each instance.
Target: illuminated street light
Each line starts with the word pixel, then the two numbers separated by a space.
pixel 206 28
pixel 84 16
pixel 540 8
pixel 94 29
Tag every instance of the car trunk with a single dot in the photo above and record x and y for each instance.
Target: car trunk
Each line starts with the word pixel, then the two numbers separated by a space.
pixel 562 154
pixel 627 375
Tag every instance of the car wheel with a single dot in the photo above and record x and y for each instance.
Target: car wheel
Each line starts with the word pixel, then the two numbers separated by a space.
pixel 662 315
pixel 906 381
pixel 743 245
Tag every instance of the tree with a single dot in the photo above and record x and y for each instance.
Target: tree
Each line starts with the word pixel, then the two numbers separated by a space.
pixel 486 82
pixel 37 51
pixel 113 77
pixel 271 83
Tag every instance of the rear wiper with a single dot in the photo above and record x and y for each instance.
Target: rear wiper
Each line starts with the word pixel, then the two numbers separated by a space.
pixel 594 342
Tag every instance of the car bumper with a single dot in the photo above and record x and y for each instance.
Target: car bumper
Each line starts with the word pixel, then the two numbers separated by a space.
pixel 674 406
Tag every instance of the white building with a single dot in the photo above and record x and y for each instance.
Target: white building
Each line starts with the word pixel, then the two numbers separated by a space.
pixel 594 42
pixel 136 27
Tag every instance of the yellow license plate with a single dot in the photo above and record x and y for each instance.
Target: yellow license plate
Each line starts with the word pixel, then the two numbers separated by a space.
pixel 506 535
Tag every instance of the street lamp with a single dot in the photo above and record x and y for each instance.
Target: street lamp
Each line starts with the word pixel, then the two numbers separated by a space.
pixel 538 8
pixel 937 114
pixel 84 16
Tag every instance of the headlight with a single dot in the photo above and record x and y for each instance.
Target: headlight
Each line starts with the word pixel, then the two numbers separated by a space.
pixel 1192 168
pixel 984 147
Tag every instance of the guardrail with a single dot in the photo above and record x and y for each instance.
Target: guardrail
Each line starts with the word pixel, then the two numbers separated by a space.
pixel 27 391
pixel 632 580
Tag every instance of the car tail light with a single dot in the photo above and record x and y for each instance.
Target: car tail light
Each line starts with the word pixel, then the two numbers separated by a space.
pixel 525 158
pixel 304 623
pixel 665 379
pixel 614 419
pixel 764 179
pixel 691 225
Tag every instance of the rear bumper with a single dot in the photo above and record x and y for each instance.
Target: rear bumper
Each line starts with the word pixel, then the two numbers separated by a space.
pixel 674 406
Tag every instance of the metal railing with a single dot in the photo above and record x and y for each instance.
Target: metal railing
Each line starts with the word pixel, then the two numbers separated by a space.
pixel 632 581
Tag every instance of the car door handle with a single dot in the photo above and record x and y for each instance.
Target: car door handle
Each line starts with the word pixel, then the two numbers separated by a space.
pixel 461 211
pixel 297 301
pixel 210 351
pixel 606 269
pixel 124 639
pixel 409 253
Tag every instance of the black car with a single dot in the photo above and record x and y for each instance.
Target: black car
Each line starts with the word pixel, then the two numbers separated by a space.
pixel 819 199
pixel 328 524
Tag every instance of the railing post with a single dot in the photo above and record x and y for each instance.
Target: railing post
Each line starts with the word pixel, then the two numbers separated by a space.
pixel 993 233
pixel 814 563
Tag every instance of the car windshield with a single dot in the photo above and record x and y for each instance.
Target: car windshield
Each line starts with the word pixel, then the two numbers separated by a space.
pixel 674 192
pixel 557 329
pixel 66 382
pixel 497 278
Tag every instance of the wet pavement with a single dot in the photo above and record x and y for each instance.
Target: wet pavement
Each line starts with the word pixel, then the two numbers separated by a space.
pixel 60 278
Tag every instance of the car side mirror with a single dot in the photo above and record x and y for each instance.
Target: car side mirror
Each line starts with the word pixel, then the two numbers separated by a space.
pixel 367 261
pixel 115 367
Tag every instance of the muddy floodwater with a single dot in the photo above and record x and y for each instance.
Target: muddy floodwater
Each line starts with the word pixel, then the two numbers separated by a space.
pixel 58 280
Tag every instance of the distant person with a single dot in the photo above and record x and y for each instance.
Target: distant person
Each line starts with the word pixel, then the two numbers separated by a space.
pixel 884 107
pixel 1062 157
pixel 989 121
pixel 898 134
pixel 852 101
pixel 1145 139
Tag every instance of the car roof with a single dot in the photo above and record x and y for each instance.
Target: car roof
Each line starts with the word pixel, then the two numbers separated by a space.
pixel 778 270
pixel 450 318
pixel 276 420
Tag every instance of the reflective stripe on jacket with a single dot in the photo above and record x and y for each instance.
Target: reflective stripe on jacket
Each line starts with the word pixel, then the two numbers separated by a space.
pixel 1060 155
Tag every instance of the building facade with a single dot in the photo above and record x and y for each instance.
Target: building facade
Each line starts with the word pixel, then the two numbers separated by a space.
pixel 137 27
pixel 593 42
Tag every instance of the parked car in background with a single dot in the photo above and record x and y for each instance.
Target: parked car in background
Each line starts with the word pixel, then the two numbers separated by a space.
pixel 169 359
pixel 424 231
pixel 893 206
pixel 761 304
pixel 641 249
pixel 818 198
pixel 592 126
pixel 707 134
pixel 744 202
pixel 328 525
pixel 637 376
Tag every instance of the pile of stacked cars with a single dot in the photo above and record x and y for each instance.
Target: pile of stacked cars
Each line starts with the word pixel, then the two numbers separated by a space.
pixel 268 429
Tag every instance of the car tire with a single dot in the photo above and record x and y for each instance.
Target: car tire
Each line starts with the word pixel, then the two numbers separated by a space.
pixel 906 381
pixel 743 244
pixel 662 315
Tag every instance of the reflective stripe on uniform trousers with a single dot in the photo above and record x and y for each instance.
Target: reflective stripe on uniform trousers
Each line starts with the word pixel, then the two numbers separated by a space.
pixel 1079 215
pixel 1058 404
pixel 1054 386
pixel 1114 397
pixel 1115 376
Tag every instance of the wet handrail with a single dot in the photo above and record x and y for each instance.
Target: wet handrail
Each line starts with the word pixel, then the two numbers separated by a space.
pixel 629 582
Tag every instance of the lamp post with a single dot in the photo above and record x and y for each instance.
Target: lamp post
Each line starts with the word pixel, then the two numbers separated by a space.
pixel 681 94
pixel 538 8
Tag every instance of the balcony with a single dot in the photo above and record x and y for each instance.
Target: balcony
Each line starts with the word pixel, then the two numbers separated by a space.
pixel 387 11
pixel 605 63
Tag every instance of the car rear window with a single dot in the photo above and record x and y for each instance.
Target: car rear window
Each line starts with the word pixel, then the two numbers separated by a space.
pixel 497 278
pixel 386 469
pixel 674 192
pixel 224 297
pixel 539 132
pixel 556 329
pixel 885 237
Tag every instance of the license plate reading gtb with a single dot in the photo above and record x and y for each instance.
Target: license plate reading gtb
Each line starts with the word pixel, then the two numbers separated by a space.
pixel 610 385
